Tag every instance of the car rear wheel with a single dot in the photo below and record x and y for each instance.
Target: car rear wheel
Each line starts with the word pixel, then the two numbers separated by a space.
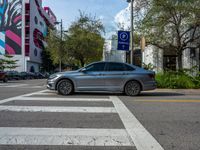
pixel 65 87
pixel 132 88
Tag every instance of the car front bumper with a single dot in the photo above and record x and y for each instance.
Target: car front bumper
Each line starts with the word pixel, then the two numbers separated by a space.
pixel 51 85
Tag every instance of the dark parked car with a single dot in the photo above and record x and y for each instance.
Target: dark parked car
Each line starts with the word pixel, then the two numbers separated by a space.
pixel 13 75
pixel 24 75
pixel 3 76
pixel 39 75
pixel 104 76
pixel 28 75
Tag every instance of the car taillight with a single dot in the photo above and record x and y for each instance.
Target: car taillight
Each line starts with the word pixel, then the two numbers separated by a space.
pixel 152 76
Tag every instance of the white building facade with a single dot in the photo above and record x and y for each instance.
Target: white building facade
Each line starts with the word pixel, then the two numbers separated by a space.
pixel 110 52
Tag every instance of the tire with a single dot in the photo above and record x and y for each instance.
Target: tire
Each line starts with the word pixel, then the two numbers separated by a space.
pixel 65 87
pixel 132 88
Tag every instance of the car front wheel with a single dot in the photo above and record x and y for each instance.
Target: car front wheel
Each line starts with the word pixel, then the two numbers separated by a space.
pixel 65 87
pixel 132 88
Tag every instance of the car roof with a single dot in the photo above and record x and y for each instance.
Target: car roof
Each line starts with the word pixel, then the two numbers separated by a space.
pixel 115 62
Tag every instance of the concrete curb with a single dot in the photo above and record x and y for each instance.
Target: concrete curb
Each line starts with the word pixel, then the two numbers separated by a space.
pixel 178 91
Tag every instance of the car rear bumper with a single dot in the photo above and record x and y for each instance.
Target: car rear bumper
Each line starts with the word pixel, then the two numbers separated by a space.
pixel 150 86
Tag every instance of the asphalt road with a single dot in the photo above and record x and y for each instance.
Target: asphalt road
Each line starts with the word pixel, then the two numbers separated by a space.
pixel 94 121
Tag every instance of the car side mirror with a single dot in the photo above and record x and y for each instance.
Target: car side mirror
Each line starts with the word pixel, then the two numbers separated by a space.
pixel 83 70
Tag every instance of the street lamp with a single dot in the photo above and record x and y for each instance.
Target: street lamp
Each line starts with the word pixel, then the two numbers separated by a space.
pixel 132 31
pixel 61 37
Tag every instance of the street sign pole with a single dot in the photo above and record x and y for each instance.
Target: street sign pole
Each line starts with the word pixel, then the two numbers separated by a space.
pixel 132 34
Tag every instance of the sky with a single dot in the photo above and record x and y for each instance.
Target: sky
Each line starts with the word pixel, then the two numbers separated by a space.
pixel 109 11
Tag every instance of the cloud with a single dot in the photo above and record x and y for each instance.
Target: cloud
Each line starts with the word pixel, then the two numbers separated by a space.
pixel 122 19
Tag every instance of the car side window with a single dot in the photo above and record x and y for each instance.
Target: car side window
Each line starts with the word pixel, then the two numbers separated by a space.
pixel 128 68
pixel 96 67
pixel 115 67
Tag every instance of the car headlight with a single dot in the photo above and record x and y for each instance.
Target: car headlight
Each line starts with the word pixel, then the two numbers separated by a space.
pixel 53 76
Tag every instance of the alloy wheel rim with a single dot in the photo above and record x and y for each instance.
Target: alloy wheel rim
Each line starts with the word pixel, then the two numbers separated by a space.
pixel 133 88
pixel 65 87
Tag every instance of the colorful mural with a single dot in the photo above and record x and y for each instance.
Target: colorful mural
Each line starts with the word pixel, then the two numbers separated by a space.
pixel 10 26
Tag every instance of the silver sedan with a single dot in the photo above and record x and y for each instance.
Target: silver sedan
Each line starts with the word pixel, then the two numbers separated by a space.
pixel 104 77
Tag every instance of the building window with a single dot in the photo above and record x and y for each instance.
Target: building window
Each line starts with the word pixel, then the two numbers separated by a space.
pixel 35 52
pixel 32 69
pixel 41 24
pixel 27 34
pixel 169 62
pixel 192 52
pixel 36 20
pixel 27 22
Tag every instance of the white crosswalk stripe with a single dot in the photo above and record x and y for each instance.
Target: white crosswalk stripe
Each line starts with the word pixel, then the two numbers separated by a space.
pixel 58 109
pixel 134 134
pixel 14 85
pixel 59 136
pixel 63 99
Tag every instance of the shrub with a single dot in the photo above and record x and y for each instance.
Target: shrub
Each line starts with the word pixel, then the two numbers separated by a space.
pixel 181 79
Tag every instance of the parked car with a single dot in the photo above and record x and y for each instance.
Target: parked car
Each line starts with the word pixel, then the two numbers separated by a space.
pixel 104 77
pixel 24 75
pixel 28 75
pixel 3 76
pixel 13 75
pixel 39 75
pixel 32 75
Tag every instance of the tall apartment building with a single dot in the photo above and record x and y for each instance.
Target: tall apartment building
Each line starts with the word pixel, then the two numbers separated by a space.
pixel 23 27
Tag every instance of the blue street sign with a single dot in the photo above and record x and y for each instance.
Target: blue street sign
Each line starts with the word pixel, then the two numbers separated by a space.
pixel 123 40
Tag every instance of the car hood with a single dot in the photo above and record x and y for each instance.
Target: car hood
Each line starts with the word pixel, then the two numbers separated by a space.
pixel 70 72
pixel 67 72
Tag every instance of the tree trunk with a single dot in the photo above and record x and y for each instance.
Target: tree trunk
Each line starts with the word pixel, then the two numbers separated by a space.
pixel 180 62
pixel 82 63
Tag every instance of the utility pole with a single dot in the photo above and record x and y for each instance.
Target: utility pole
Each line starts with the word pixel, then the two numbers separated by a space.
pixel 61 38
pixel 132 32
pixel 61 42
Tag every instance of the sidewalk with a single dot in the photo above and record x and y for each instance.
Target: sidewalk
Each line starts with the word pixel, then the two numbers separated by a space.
pixel 178 91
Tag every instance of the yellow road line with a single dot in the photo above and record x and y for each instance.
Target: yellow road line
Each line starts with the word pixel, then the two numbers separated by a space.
pixel 170 101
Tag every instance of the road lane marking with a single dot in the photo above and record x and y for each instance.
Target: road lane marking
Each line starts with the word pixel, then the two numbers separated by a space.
pixel 46 93
pixel 142 139
pixel 18 97
pixel 170 101
pixel 64 136
pixel 14 85
pixel 62 99
pixel 58 109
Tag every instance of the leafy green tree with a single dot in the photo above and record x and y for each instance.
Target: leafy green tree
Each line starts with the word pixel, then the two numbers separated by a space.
pixel 172 25
pixel 56 48
pixel 54 41
pixel 84 41
pixel 2 67
pixel 8 63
